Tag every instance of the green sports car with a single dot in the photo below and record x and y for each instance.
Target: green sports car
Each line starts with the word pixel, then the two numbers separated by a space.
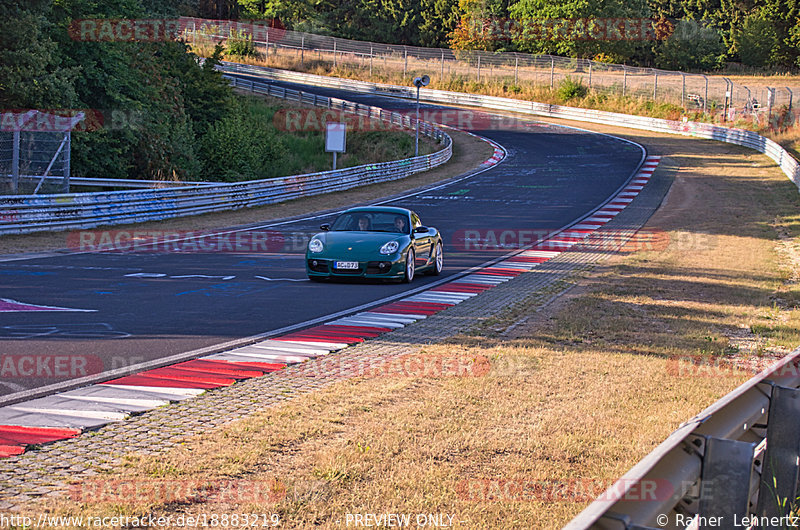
pixel 377 242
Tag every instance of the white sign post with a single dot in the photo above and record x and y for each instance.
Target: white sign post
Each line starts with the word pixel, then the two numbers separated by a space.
pixel 335 139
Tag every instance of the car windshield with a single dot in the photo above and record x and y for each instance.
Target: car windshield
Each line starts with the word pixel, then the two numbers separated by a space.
pixel 372 222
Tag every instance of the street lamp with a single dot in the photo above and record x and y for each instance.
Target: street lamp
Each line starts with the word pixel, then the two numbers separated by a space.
pixel 419 82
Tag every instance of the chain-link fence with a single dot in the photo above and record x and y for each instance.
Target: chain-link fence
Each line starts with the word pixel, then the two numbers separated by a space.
pixel 708 93
pixel 35 152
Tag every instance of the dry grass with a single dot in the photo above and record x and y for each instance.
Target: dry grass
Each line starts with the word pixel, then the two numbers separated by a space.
pixel 578 391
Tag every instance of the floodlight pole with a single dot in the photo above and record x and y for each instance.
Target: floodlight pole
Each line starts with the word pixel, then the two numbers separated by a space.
pixel 419 82
pixel 416 136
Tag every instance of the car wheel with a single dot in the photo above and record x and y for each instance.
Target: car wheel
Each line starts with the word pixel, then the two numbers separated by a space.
pixel 408 276
pixel 438 260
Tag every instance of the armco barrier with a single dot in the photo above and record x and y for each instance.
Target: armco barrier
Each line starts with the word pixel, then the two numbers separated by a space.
pixel 32 213
pixel 734 465
pixel 741 137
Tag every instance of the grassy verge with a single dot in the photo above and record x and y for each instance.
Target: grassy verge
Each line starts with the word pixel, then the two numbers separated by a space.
pixel 593 388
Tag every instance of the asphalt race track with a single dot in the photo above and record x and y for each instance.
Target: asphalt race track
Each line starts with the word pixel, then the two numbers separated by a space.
pixel 142 306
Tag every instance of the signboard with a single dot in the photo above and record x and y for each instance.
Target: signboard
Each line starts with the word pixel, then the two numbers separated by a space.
pixel 335 137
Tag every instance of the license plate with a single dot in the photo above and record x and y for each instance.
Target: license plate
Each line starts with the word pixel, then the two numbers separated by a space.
pixel 346 265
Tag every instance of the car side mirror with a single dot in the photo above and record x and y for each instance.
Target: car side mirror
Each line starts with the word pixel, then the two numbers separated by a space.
pixel 325 227
pixel 421 230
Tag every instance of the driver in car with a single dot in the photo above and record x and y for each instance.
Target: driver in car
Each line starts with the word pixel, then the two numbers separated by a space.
pixel 363 223
pixel 400 224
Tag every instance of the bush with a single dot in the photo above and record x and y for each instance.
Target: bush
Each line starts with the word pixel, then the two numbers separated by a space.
pixel 571 88
pixel 241 146
pixel 240 44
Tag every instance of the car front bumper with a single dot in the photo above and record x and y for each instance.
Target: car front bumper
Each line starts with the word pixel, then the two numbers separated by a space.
pixel 385 268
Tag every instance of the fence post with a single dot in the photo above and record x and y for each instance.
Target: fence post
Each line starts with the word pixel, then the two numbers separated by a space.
pixel 683 90
pixel 371 50
pixel 405 61
pixel 334 52
pixel 552 71
pixel 655 84
pixel 302 48
pixel 790 96
pixel 770 101
pixel 479 67
pixel 705 96
pixel 516 69
pixel 624 80
pixel 15 164
pixel 590 74
pixel 442 74
pixel 67 152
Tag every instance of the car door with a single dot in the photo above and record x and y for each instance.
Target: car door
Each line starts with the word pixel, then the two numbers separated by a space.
pixel 422 242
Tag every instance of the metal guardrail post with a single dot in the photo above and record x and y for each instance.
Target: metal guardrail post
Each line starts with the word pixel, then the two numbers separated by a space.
pixel 779 475
pixel 725 481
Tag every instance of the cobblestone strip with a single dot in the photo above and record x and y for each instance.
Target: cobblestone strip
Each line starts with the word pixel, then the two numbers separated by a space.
pixel 47 471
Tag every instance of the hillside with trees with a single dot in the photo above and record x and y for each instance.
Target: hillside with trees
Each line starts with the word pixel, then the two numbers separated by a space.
pixel 177 102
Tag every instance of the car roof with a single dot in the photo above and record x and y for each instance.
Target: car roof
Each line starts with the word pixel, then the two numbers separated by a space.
pixel 387 209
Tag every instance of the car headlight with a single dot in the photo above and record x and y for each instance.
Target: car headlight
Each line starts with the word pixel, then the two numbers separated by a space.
pixel 390 247
pixel 315 245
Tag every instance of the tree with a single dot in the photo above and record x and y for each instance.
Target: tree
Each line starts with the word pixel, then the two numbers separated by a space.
pixel 31 72
pixel 756 41
pixel 691 47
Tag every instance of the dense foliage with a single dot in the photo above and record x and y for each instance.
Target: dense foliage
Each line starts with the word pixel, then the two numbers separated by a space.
pixel 687 34
pixel 151 102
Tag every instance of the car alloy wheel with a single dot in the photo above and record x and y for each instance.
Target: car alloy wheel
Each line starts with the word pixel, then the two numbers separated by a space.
pixel 410 266
pixel 438 260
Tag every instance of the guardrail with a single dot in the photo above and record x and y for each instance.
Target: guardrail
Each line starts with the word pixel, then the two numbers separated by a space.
pixel 34 213
pixel 118 183
pixel 742 137
pixel 737 463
